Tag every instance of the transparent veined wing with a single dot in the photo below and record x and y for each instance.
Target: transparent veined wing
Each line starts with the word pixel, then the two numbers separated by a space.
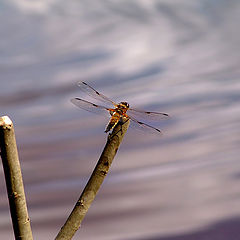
pixel 95 94
pixel 91 107
pixel 139 125
pixel 146 115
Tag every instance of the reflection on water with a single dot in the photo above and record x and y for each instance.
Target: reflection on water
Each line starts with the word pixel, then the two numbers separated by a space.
pixel 179 57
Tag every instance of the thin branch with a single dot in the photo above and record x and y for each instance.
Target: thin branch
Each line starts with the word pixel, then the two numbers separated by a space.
pixel 14 182
pixel 100 172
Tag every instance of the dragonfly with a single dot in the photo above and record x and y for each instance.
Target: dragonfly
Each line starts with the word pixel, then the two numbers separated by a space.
pixel 118 112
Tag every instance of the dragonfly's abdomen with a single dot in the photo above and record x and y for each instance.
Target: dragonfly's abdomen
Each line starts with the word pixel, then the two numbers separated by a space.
pixel 113 121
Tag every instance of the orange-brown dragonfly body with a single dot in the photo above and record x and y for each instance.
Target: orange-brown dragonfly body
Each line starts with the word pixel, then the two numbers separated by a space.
pixel 117 114
pixel 120 112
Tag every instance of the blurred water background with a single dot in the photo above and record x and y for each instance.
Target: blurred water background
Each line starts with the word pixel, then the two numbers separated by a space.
pixel 180 57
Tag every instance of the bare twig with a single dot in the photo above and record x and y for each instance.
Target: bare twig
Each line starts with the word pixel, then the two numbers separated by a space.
pixel 14 182
pixel 79 211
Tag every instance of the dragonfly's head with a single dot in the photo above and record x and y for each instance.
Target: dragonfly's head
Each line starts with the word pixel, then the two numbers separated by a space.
pixel 123 105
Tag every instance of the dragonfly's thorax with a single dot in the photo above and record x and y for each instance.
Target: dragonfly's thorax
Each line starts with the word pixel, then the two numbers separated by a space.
pixel 120 111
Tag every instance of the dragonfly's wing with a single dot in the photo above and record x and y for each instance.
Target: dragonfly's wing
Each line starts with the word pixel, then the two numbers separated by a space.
pixel 145 115
pixel 94 93
pixel 91 107
pixel 143 126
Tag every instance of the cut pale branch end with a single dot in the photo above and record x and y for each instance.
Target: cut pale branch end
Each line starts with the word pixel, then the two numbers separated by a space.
pixel 14 182
pixel 95 181
pixel 5 122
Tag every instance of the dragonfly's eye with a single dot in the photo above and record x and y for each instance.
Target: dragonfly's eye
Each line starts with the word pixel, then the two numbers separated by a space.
pixel 125 104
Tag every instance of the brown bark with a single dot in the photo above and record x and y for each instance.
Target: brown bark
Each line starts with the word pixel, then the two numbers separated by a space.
pixel 79 211
pixel 14 182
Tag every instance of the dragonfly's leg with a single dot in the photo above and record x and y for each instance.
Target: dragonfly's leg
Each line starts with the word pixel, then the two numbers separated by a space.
pixel 111 111
pixel 110 126
pixel 109 136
